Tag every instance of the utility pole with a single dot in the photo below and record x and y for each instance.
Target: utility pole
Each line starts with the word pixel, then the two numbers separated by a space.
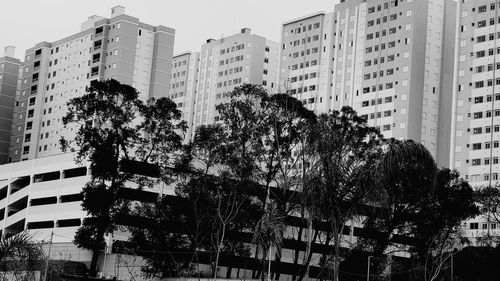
pixel 269 265
pixel 451 267
pixel 107 248
pixel 48 257
pixel 368 270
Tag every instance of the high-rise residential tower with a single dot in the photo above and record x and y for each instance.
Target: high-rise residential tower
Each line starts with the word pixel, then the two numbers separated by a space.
pixel 391 61
pixel 230 62
pixel 476 102
pixel 306 59
pixel 475 138
pixel 120 47
pixel 183 86
pixel 9 78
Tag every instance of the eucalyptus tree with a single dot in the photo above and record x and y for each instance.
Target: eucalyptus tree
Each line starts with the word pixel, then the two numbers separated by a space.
pixel 114 124
pixel 346 149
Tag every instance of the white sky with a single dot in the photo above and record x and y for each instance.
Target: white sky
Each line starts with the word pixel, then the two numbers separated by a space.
pixel 23 23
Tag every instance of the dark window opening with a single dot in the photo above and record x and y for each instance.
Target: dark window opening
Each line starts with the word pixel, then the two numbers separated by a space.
pixel 17 206
pixel 94 71
pixel 96 58
pixel 76 172
pixel 97 45
pixel 46 177
pixel 34 78
pixel 71 198
pixel 40 224
pixel 44 201
pixel 68 223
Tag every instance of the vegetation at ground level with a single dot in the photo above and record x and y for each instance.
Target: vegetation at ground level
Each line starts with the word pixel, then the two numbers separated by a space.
pixel 268 177
pixel 21 258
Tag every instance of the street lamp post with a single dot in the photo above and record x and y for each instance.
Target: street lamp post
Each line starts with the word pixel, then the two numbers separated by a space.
pixel 368 270
pixel 107 248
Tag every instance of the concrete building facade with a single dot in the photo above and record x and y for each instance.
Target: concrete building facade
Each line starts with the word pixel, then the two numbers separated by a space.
pixel 9 78
pixel 185 68
pixel 230 62
pixel 476 106
pixel 121 47
pixel 475 138
pixel 392 63
pixel 306 60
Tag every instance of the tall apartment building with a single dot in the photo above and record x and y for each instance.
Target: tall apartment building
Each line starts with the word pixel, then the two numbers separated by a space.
pixel 476 101
pixel 120 47
pixel 306 59
pixel 391 61
pixel 9 77
pixel 475 138
pixel 229 62
pixel 183 86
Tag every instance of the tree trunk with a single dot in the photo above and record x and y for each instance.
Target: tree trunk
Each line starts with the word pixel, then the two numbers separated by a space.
pixel 95 256
pixel 264 269
pixel 255 273
pixel 296 256
pixel 93 264
pixel 336 261
pixel 307 262
pixel 219 247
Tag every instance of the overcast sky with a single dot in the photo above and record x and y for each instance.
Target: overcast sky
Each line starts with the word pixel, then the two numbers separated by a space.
pixel 23 23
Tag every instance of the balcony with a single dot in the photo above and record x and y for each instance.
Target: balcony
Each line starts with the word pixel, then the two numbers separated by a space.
pixel 99 31
pixel 94 71
pixel 34 80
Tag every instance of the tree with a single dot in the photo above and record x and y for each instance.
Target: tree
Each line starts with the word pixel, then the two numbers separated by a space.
pixel 20 257
pixel 212 206
pixel 115 125
pixel 477 263
pixel 488 198
pixel 269 233
pixel 266 134
pixel 345 149
pixel 250 148
pixel 423 205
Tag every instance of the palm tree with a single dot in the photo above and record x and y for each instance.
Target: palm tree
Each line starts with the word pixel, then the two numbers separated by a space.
pixel 20 257
pixel 268 234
